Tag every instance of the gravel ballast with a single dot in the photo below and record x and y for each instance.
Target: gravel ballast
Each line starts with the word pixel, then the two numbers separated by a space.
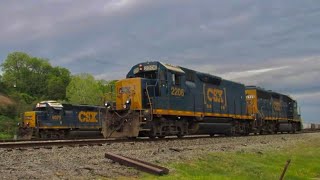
pixel 88 162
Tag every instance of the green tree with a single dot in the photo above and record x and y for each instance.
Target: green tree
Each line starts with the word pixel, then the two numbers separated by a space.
pixel 39 70
pixel 35 77
pixel 26 74
pixel 2 86
pixel 14 68
pixel 58 81
pixel 84 89
pixel 108 88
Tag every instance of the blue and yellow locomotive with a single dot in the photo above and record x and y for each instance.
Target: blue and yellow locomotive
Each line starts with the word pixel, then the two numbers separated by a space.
pixel 158 100
pixel 51 119
pixel 272 111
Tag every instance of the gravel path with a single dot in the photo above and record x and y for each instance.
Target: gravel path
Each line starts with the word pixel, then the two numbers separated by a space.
pixel 89 162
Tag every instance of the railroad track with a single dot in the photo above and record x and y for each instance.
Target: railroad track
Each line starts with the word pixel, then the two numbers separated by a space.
pixel 55 139
pixel 51 143
pixel 36 144
pixel 83 142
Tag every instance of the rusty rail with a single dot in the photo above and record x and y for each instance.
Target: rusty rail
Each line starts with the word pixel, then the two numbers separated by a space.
pixel 138 164
pixel 285 169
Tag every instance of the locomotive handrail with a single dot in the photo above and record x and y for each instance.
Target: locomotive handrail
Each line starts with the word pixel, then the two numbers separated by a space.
pixel 261 114
pixel 149 99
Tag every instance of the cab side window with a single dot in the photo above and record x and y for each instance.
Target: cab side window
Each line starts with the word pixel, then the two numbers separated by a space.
pixel 176 79
pixel 162 76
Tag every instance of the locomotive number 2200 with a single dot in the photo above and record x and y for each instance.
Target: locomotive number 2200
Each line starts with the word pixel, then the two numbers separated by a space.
pixel 177 91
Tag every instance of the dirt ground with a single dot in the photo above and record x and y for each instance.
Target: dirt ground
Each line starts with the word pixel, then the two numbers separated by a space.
pixel 5 100
pixel 89 163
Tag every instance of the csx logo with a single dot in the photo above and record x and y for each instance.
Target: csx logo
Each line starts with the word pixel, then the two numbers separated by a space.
pixel 276 106
pixel 124 90
pixel 87 116
pixel 216 95
pixel 27 117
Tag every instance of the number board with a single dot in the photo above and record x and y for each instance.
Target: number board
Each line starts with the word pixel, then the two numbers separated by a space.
pixel 175 91
pixel 146 68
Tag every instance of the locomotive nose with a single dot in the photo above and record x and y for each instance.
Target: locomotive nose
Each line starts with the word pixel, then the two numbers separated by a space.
pixel 129 94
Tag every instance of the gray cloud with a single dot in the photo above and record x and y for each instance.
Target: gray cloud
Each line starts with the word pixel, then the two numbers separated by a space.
pixel 273 44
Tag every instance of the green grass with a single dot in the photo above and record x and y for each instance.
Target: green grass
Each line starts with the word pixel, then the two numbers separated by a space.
pixel 5 136
pixel 305 164
pixel 8 127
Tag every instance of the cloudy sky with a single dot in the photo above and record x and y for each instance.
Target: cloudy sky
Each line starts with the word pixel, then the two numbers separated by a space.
pixel 274 44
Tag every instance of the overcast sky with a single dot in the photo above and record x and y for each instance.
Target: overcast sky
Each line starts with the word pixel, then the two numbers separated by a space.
pixel 273 44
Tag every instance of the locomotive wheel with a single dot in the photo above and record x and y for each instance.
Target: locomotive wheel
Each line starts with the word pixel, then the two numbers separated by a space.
pixel 180 135
pixel 161 137
pixel 294 128
pixel 232 132
pixel 43 135
pixel 261 132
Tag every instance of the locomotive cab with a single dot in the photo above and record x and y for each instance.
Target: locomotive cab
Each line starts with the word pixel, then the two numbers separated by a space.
pixel 147 82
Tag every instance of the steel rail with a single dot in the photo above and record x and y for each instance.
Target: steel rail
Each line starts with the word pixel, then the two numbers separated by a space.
pixel 79 142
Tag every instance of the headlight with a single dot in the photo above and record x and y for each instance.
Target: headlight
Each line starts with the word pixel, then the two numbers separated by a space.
pixel 146 113
pixel 107 104
pixel 18 124
pixel 127 104
pixel 128 101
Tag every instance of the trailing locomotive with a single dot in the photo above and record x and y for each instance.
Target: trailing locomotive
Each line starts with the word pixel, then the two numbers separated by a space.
pixel 272 111
pixel 51 119
pixel 158 100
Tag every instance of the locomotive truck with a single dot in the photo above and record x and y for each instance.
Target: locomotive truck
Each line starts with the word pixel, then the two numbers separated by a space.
pixel 157 100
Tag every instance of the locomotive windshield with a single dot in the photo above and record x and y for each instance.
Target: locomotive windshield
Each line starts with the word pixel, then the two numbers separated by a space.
pixel 54 106
pixel 147 75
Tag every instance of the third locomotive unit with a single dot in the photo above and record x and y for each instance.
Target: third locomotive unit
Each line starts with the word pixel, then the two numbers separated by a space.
pixel 158 100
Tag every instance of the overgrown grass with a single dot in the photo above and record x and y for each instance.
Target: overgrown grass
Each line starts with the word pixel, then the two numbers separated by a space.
pixel 8 127
pixel 5 136
pixel 305 164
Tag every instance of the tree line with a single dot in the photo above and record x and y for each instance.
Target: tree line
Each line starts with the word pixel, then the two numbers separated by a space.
pixel 26 80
